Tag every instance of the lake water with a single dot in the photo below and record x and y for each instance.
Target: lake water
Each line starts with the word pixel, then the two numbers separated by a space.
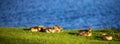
pixel 70 14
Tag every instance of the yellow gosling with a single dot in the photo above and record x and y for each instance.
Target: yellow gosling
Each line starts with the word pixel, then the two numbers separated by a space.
pixel 106 36
pixel 85 32
pixel 34 29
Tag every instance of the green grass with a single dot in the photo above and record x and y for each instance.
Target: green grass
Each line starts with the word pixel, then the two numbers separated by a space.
pixel 21 36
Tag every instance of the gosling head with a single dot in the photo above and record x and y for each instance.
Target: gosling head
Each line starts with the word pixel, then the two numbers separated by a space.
pixel 90 29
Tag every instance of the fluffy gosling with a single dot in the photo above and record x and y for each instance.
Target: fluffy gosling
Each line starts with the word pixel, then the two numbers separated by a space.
pixel 106 36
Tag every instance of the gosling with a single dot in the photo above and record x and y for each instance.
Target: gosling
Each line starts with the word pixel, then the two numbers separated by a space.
pixel 34 29
pixel 57 28
pixel 106 36
pixel 85 32
pixel 50 30
pixel 41 28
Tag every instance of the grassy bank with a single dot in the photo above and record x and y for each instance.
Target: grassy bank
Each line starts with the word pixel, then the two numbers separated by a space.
pixel 21 36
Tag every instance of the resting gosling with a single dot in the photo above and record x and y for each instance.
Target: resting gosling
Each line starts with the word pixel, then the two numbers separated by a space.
pixel 85 32
pixel 41 28
pixel 106 36
pixel 50 30
pixel 34 29
pixel 57 28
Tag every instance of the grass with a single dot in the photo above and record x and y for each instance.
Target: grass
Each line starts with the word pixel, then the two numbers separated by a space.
pixel 21 36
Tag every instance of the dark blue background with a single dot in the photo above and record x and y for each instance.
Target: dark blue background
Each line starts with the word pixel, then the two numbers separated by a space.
pixel 70 14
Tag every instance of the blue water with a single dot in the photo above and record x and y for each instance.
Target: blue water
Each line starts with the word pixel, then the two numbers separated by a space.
pixel 70 14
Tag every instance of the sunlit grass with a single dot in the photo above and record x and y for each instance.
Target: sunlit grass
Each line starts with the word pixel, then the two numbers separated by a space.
pixel 21 36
